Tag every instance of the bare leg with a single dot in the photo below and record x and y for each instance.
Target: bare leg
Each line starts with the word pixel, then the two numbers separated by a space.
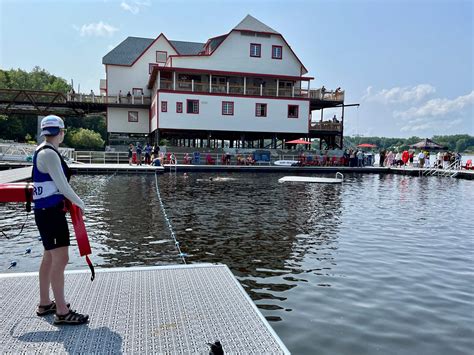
pixel 45 278
pixel 59 261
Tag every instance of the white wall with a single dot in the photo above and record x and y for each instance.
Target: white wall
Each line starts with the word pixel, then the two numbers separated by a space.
pixel 117 120
pixel 210 114
pixel 234 55
pixel 126 78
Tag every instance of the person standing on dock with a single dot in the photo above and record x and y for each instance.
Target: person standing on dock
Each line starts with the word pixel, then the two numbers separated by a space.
pixel 51 189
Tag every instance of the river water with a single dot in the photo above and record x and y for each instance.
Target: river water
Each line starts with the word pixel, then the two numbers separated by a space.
pixel 382 264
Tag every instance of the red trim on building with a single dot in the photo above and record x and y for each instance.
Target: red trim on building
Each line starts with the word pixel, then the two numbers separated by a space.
pixel 297 111
pixel 156 56
pixel 179 107
pixel 281 52
pixel 231 110
pixel 192 113
pixel 259 46
pixel 233 95
pixel 164 106
pixel 257 112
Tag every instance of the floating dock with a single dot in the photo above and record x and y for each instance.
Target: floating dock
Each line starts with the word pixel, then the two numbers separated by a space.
pixel 174 309
pixel 311 179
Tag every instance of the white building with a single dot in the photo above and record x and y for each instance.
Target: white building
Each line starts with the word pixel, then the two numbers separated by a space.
pixel 243 87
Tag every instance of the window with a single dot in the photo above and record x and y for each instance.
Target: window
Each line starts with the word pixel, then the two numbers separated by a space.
pixel 164 106
pixel 132 116
pixel 192 106
pixel 255 50
pixel 161 56
pixel 179 107
pixel 293 111
pixel 261 110
pixel 277 52
pixel 227 108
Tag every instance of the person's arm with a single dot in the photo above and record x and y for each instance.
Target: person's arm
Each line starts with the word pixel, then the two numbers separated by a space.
pixel 49 162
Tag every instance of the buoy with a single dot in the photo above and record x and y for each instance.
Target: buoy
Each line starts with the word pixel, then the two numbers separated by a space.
pixel 12 264
pixel 27 251
pixel 188 230
pixel 39 238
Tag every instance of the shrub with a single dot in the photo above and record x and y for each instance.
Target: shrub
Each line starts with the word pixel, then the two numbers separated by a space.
pixel 85 139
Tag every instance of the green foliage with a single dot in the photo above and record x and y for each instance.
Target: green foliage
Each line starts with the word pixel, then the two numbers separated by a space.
pixel 458 142
pixel 83 138
pixel 37 79
pixel 23 128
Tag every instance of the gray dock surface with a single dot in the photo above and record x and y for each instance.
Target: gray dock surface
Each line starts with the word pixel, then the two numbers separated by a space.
pixel 15 175
pixel 162 310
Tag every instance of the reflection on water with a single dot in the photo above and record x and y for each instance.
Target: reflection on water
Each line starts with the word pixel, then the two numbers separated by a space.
pixel 379 264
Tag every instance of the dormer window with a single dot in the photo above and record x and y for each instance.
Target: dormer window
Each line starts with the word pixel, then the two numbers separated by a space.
pixel 255 50
pixel 277 52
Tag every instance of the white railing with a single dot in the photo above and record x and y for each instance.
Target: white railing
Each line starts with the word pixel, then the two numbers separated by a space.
pixel 110 99
pixel 326 95
pixel 98 157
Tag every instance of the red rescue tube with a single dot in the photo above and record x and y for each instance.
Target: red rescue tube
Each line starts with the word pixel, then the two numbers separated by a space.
pixel 16 192
pixel 23 192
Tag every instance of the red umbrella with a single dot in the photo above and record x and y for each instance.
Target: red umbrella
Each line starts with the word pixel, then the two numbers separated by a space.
pixel 367 145
pixel 298 141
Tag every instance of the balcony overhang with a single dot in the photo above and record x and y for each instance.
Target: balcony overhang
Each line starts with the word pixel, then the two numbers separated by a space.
pixel 155 70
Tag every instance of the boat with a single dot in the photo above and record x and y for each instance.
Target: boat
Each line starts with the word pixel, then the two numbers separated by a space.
pixel 286 162
pixel 337 180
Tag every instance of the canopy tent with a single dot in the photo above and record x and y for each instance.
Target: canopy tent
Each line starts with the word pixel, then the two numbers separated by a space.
pixel 298 141
pixel 428 144
pixel 367 145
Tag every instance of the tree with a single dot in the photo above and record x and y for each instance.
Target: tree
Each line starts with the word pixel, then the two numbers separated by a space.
pixel 85 139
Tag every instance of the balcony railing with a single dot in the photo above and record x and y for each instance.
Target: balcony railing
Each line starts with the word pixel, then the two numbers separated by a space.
pixel 326 95
pixel 110 99
pixel 262 90
pixel 326 126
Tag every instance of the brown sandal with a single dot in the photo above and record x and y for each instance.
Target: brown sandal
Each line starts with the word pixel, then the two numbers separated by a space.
pixel 72 317
pixel 47 309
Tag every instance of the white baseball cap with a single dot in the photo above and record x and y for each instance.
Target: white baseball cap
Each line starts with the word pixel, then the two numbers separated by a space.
pixel 51 125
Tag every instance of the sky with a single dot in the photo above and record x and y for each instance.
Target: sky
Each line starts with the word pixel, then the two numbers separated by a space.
pixel 408 63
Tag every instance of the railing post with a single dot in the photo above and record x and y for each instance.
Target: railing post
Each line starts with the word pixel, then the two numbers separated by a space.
pixel 227 87
pixel 278 87
pixel 245 85
pixel 133 99
pixel 192 85
pixel 143 98
pixel 293 91
pixel 174 80
pixel 210 83
pixel 159 80
pixel 261 89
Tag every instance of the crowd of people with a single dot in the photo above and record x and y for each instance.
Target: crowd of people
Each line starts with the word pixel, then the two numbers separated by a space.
pixel 148 155
pixel 422 159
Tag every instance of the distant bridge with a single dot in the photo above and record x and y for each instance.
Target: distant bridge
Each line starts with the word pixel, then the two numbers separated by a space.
pixel 42 103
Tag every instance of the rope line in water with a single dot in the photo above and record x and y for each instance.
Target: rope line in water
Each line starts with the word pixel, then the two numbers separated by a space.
pixel 168 222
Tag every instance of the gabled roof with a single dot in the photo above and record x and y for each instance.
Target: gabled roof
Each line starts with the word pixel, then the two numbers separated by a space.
pixel 187 47
pixel 127 51
pixel 132 47
pixel 250 23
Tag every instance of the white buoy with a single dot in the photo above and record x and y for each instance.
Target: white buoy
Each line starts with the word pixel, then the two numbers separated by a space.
pixel 188 230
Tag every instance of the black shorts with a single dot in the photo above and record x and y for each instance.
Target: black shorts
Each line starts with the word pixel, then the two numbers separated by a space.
pixel 52 226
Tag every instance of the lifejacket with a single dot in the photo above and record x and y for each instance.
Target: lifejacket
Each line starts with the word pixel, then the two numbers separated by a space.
pixel 45 191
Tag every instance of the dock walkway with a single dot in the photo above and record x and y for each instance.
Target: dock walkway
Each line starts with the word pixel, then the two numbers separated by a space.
pixel 174 309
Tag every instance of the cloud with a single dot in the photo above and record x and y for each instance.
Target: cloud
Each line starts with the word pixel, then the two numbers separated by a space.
pixel 438 112
pixel 437 107
pixel 99 29
pixel 399 94
pixel 134 6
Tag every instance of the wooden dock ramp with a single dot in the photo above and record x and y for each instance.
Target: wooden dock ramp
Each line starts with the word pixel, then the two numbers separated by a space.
pixel 174 309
